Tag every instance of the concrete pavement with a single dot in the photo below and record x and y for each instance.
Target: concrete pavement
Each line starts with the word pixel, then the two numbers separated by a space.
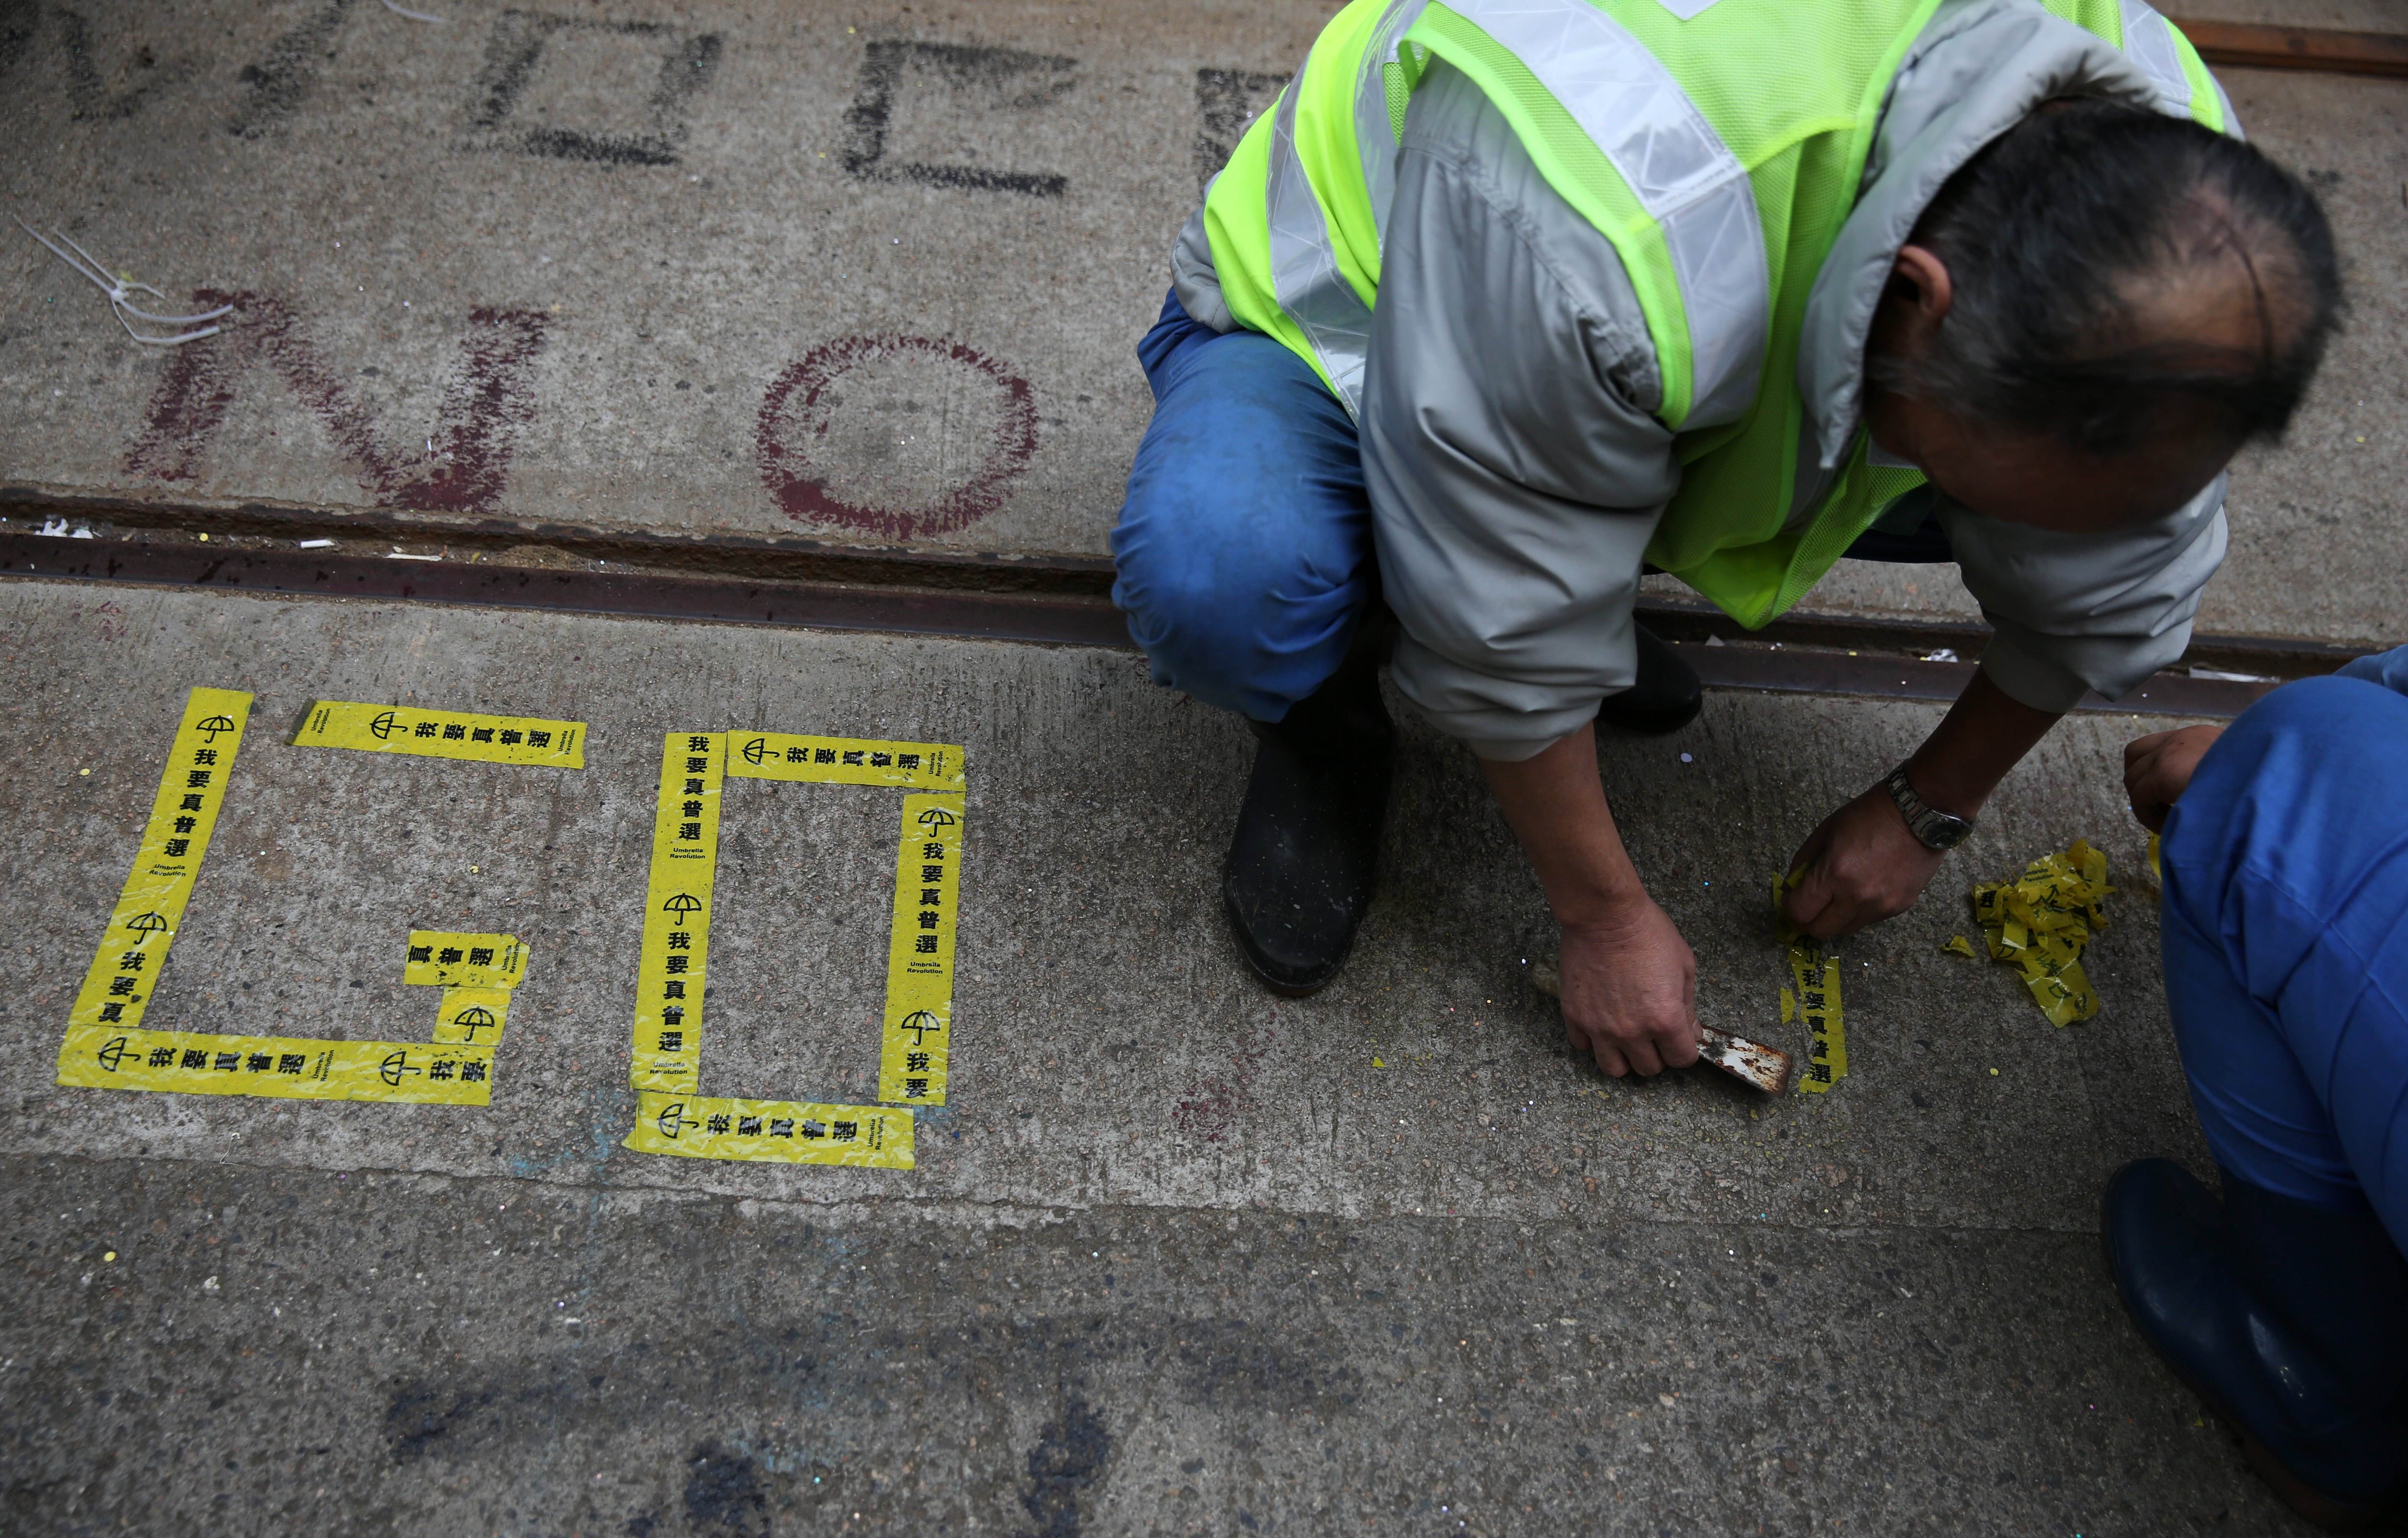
pixel 1177 1256
pixel 865 280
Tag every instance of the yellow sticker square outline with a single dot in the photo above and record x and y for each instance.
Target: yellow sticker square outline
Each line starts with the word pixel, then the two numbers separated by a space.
pixel 664 1064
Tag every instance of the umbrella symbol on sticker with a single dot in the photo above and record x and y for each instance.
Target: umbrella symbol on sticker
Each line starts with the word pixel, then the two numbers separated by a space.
pixel 757 749
pixel 672 1121
pixel 680 905
pixel 146 925
pixel 383 726
pixel 937 817
pixel 214 725
pixel 394 1065
pixel 919 1022
pixel 112 1054
pixel 474 1019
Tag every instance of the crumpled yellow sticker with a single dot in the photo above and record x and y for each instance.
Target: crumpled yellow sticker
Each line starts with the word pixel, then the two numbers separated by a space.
pixel 2039 922
pixel 1959 946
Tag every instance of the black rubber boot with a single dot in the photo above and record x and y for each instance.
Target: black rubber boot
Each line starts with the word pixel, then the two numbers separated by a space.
pixel 1666 696
pixel 2290 1320
pixel 1298 880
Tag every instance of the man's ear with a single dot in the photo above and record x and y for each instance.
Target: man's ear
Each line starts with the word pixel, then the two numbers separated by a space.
pixel 1921 279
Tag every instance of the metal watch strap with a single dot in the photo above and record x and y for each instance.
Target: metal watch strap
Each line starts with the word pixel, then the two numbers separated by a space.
pixel 1934 828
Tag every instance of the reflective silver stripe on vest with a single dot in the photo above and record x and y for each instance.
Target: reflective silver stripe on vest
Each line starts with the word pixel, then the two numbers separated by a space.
pixel 1684 177
pixel 1375 140
pixel 1304 265
pixel 2149 42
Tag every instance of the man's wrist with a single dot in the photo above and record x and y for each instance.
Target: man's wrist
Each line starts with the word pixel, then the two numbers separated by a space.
pixel 1956 795
pixel 1605 904
pixel 1934 827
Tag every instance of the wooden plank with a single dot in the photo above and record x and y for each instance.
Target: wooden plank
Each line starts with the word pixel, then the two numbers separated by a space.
pixel 2252 46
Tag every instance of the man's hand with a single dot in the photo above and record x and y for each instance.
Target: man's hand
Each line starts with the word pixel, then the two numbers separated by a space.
pixel 2157 770
pixel 1629 980
pixel 1631 991
pixel 1862 865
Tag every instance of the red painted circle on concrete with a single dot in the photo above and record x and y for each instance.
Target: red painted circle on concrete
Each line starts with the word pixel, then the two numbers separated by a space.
pixel 797 410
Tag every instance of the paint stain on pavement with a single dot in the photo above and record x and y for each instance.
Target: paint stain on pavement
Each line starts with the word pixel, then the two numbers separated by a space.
pixel 465 462
pixel 723 1492
pixel 1069 1458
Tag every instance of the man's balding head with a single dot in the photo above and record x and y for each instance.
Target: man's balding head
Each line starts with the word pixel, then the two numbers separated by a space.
pixel 2096 312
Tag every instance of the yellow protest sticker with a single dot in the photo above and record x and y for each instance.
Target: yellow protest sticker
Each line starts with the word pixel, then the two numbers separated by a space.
pixel 1959 946
pixel 134 948
pixel 788 1132
pixel 441 959
pixel 443 734
pixel 675 1116
pixel 677 915
pixel 920 952
pixel 197 1063
pixel 1818 1003
pixel 456 1070
pixel 105 1047
pixel 1816 999
pixel 845 761
pixel 2040 923
pixel 473 1015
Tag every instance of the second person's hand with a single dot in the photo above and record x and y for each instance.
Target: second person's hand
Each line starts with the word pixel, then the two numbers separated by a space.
pixel 2157 770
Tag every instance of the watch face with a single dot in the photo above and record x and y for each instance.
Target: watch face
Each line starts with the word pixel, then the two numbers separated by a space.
pixel 1944 830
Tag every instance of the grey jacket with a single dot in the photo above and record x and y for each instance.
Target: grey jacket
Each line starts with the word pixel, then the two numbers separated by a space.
pixel 1516 468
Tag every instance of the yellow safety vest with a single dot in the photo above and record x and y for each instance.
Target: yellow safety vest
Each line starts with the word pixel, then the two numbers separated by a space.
pixel 1718 145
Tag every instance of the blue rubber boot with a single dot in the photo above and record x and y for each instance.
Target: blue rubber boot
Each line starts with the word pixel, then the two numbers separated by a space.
pixel 2289 1320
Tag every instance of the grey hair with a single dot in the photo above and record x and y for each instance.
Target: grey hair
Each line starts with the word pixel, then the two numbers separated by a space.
pixel 2055 233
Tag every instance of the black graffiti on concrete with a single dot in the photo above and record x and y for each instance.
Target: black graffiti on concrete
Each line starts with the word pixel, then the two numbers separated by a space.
pixel 724 1493
pixel 515 51
pixel 999 78
pixel 17 19
pixel 500 1413
pixel 280 82
pixel 91 102
pixel 1068 1459
pixel 1226 100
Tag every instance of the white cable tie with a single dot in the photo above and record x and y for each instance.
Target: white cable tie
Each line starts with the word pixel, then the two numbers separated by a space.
pixel 164 341
pixel 103 284
pixel 177 319
pixel 93 271
pixel 413 15
pixel 119 287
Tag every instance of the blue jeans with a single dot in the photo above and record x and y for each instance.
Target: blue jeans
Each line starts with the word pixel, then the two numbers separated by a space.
pixel 1244 547
pixel 2286 940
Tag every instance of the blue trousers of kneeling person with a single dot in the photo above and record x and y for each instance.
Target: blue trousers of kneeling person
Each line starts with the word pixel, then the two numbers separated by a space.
pixel 2285 948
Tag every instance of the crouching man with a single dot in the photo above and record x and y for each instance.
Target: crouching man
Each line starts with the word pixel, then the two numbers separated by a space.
pixel 1508 299
pixel 2283 1301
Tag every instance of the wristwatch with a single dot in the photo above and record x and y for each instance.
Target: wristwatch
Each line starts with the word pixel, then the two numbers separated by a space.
pixel 1938 830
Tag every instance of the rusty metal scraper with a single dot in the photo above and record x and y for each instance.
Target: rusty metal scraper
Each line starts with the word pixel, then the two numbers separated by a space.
pixel 1767 1068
